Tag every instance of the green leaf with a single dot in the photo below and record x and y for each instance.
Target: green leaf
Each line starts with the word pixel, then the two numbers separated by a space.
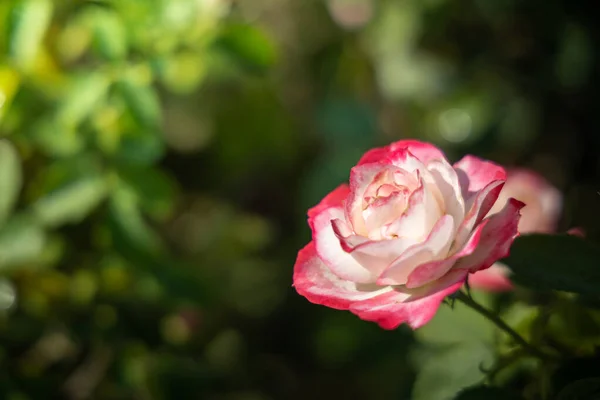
pixel 10 179
pixel 555 262
pixel 71 202
pixel 143 102
pixel 459 324
pixel 487 393
pixel 140 147
pixel 574 59
pixel 28 24
pixel 85 93
pixel 21 240
pixel 249 46
pixel 182 72
pixel 153 189
pixel 129 222
pixel 584 389
pixel 55 139
pixel 110 37
pixel 448 369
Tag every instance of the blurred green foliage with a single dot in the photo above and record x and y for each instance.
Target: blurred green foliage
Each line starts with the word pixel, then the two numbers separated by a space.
pixel 157 158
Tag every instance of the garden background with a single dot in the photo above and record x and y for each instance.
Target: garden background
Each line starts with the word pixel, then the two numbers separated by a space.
pixel 157 159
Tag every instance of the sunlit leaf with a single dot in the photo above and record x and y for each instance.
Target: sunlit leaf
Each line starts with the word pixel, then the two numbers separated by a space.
pixel 9 84
pixel 55 139
pixel 140 147
pixel 456 325
pixel 86 91
pixel 142 100
pixel 110 37
pixel 21 241
pixel 10 178
pixel 249 46
pixel 184 71
pixel 127 217
pixel 153 189
pixel 447 370
pixel 71 202
pixel 29 22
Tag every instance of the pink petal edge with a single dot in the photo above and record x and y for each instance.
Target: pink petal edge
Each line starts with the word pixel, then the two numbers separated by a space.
pixel 390 310
pixel 494 279
pixel 496 238
pixel 421 150
pixel 474 174
pixel 335 198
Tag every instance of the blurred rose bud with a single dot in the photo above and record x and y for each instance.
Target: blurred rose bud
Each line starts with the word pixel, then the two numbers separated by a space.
pixel 351 14
pixel 543 205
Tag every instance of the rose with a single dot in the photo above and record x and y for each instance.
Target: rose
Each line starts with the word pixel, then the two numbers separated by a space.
pixel 544 203
pixel 404 234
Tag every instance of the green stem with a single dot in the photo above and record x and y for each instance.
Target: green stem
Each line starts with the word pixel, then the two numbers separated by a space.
pixel 531 349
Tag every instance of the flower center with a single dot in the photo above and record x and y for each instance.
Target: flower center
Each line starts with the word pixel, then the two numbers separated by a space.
pixel 385 200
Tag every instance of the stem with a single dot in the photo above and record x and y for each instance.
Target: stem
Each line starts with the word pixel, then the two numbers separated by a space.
pixel 531 349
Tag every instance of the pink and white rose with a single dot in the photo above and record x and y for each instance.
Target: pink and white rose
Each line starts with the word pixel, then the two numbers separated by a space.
pixel 541 215
pixel 404 234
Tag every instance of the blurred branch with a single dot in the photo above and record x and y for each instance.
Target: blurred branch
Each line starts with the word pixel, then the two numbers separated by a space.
pixel 83 381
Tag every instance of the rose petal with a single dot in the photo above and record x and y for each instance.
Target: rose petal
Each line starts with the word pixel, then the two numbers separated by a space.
pixel 474 174
pixel 493 279
pixel 544 201
pixel 430 271
pixel 383 211
pixel 425 152
pixel 361 178
pixel 438 240
pixel 329 249
pixel 420 216
pixel 578 231
pixel 348 240
pixel 333 199
pixel 393 308
pixel 404 159
pixel 496 238
pixel 447 183
pixel 379 254
pixel 478 207
pixel 314 280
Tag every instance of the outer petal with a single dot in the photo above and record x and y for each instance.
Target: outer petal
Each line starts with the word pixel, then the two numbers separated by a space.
pixel 478 207
pixel 393 308
pixel 333 199
pixel 474 174
pixel 578 231
pixel 496 238
pixel 438 241
pixel 447 183
pixel 423 151
pixel 329 249
pixel 493 279
pixel 314 280
pixel 433 270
